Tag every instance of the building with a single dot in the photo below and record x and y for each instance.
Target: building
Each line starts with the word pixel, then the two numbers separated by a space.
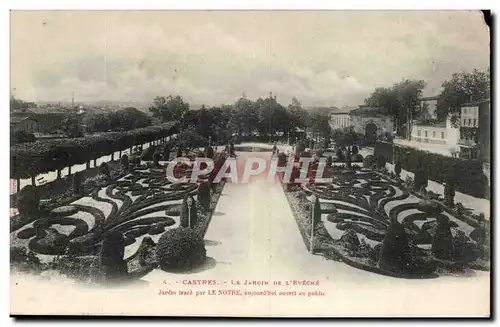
pixel 370 123
pixel 475 125
pixel 44 123
pixel 25 124
pixel 440 133
pixel 340 119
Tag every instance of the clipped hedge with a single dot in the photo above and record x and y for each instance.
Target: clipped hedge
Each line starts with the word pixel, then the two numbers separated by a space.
pixel 32 159
pixel 384 149
pixel 467 174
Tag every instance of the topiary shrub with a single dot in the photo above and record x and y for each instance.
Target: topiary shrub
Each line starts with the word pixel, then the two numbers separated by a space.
pixel 395 253
pixel 180 248
pixel 204 195
pixel 348 161
pixel 449 193
pixel 463 248
pixel 329 161
pixel 124 161
pixel 340 155
pixel 350 241
pixel 369 161
pixel 156 159
pixel 134 160
pixel 381 161
pixel 317 212
pixel 147 155
pixel 77 182
pixel 104 169
pixel 28 201
pixel 112 267
pixel 210 152
pixel 357 158
pixel 185 219
pixel 299 148
pixel 166 152
pixel 282 159
pixel 442 243
pixel 397 168
pixel 421 179
pixel 231 149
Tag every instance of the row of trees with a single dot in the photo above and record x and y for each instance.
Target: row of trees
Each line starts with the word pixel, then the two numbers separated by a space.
pixel 117 121
pixel 32 159
pixel 402 101
pixel 245 117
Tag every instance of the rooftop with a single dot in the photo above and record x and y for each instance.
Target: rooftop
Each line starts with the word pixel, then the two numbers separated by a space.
pixel 18 119
pixel 435 97
pixel 366 111
pixel 475 103
pixel 430 122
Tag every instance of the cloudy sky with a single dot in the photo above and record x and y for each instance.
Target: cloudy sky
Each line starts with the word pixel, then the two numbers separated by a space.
pixel 321 57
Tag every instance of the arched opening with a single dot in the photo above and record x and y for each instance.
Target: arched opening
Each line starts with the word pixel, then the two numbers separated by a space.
pixel 370 133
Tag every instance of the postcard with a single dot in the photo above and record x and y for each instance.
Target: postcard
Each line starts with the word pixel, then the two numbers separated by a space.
pixel 250 163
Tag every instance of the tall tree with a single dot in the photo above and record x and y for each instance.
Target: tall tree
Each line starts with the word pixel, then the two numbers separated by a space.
pixel 298 116
pixel 169 108
pixel 244 116
pixel 462 88
pixel 320 124
pixel 401 102
pixel 409 94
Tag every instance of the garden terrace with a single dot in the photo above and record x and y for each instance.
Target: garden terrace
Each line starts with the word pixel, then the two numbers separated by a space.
pixel 141 204
pixel 360 210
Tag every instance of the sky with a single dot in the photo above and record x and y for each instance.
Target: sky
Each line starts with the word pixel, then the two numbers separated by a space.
pixel 323 58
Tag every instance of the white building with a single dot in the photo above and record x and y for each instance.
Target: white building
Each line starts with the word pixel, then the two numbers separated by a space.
pixel 340 119
pixel 442 134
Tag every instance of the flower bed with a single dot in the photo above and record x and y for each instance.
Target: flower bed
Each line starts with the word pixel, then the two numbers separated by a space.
pixel 372 221
pixel 140 204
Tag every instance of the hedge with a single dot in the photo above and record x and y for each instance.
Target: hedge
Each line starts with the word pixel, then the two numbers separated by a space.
pixel 467 174
pixel 31 159
pixel 384 149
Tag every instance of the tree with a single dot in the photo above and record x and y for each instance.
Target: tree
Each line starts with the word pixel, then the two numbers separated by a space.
pixel 189 139
pixel 72 127
pixel 462 88
pixel 320 125
pixel 17 104
pixel 169 108
pixel 346 137
pixel 401 102
pixel 273 116
pixel 128 119
pixel 21 137
pixel 121 120
pixel 409 94
pixel 298 116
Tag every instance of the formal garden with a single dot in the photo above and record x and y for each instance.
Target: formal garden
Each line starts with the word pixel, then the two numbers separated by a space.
pixel 370 218
pixel 121 223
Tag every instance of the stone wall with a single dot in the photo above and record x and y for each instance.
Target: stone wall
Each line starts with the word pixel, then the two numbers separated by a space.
pixel 384 124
